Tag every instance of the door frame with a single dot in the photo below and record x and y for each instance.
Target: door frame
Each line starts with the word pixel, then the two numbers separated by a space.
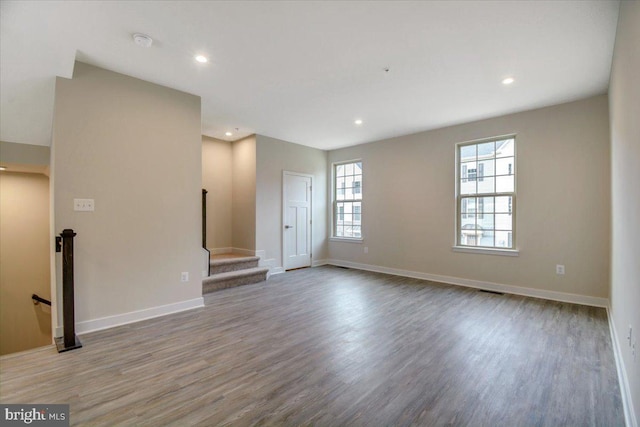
pixel 285 173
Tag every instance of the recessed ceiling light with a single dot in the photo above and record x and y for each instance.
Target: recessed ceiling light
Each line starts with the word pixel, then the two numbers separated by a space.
pixel 358 122
pixel 228 134
pixel 202 59
pixel 3 168
pixel 142 40
pixel 508 81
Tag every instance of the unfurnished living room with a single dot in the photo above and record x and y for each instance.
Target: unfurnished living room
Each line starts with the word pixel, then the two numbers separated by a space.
pixel 328 213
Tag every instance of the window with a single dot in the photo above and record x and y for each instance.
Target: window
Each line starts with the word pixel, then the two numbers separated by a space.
pixel 486 194
pixel 347 203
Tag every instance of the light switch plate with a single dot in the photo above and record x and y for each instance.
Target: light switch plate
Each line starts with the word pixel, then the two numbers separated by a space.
pixel 83 205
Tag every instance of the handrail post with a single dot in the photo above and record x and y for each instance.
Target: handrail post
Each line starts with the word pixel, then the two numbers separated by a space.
pixel 69 341
pixel 204 218
pixel 204 229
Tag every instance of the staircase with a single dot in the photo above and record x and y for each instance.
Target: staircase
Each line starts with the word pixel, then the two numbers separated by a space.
pixel 231 270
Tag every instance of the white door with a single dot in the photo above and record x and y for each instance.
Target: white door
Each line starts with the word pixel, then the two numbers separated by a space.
pixel 296 216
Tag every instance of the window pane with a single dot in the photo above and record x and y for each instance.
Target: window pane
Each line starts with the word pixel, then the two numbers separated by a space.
pixel 486 149
pixel 356 231
pixel 464 203
pixel 486 185
pixel 505 166
pixel 467 152
pixel 357 210
pixel 358 168
pixel 487 204
pixel 504 222
pixel 503 239
pixel 502 204
pixel 486 168
pixel 504 184
pixel 348 181
pixel 468 168
pixel 485 221
pixel 339 170
pixel 467 187
pixel 348 169
pixel 505 148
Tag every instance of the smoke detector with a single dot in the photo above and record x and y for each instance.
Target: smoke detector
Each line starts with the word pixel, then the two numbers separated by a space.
pixel 142 40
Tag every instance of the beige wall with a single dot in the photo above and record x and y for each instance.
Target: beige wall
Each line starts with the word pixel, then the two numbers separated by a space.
pixel 624 99
pixel 24 261
pixel 217 158
pixel 24 157
pixel 134 147
pixel 273 157
pixel 26 154
pixel 562 206
pixel 244 194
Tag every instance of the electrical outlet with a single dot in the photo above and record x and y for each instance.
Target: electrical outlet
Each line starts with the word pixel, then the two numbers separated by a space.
pixel 83 205
pixel 366 249
pixel 185 276
pixel 560 270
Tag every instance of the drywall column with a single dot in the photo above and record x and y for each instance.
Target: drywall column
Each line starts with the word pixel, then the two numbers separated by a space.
pixel 135 148
pixel 244 195
pixel 624 101
pixel 217 159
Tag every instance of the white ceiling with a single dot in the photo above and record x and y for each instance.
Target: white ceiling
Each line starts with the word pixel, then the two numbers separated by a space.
pixel 303 71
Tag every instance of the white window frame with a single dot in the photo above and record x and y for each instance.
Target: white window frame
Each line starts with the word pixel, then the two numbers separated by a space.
pixel 491 250
pixel 334 203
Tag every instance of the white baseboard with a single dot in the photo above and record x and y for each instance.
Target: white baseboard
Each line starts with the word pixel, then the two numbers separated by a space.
pixel 623 380
pixel 498 287
pixel 220 251
pixel 319 263
pixel 247 252
pixel 133 316
pixel 240 251
pixel 275 270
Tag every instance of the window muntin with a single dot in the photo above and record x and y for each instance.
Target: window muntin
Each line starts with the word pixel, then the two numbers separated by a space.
pixel 486 194
pixel 347 204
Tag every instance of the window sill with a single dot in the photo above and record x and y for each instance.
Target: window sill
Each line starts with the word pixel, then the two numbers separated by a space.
pixel 486 251
pixel 346 239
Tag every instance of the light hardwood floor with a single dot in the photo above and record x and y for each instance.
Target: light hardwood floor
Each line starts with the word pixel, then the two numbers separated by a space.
pixel 329 346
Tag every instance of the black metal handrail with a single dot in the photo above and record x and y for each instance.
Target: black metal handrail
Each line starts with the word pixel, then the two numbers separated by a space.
pixel 204 229
pixel 36 300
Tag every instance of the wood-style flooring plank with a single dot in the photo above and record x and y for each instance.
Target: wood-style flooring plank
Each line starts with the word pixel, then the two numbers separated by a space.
pixel 330 346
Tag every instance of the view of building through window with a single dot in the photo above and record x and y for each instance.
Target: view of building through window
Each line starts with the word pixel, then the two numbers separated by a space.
pixel 486 194
pixel 347 204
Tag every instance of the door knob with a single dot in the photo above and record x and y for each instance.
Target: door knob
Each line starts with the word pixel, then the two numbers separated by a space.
pixel 288 226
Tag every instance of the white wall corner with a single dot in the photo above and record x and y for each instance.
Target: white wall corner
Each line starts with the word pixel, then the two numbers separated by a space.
pixel 623 380
pixel 319 262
